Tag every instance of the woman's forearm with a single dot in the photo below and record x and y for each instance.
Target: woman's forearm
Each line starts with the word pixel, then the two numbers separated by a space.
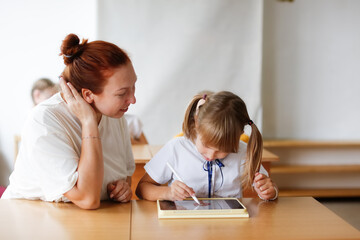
pixel 86 192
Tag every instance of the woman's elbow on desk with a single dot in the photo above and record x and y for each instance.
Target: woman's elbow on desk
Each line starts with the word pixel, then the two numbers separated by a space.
pixel 83 200
pixel 88 204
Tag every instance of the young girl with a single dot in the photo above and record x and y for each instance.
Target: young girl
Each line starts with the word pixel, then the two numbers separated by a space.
pixel 75 145
pixel 43 89
pixel 210 159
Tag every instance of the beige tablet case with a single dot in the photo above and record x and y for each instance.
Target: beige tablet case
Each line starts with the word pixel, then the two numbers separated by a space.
pixel 210 213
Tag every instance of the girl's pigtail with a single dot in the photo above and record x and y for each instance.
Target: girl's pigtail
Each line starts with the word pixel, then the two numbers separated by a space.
pixel 254 154
pixel 188 126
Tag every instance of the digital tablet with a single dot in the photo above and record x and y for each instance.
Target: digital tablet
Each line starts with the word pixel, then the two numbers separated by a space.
pixel 208 208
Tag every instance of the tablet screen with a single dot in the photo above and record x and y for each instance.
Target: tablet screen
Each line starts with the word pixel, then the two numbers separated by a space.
pixel 204 204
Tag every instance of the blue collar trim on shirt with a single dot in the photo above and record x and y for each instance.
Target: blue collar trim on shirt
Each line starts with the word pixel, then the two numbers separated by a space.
pixel 207 166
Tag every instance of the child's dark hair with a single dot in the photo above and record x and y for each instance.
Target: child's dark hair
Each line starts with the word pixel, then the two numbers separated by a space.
pixel 89 64
pixel 220 121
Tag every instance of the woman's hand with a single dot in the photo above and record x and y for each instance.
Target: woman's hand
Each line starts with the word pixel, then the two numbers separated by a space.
pixel 77 105
pixel 264 187
pixel 178 191
pixel 119 191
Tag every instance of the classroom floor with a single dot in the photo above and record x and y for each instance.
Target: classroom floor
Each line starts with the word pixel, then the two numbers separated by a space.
pixel 347 208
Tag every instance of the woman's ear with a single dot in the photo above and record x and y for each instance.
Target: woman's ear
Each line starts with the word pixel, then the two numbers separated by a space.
pixel 88 95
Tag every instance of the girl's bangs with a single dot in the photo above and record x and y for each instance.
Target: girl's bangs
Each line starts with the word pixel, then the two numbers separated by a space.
pixel 226 140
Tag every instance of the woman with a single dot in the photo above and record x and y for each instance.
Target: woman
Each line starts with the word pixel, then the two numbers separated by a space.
pixel 76 146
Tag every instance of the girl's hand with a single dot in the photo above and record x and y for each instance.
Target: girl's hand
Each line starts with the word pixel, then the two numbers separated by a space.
pixel 264 187
pixel 119 191
pixel 179 191
pixel 77 105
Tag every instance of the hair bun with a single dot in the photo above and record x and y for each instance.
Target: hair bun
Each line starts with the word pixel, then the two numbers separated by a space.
pixel 71 47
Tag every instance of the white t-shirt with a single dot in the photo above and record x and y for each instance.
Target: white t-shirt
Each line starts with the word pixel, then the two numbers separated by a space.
pixel 46 166
pixel 135 125
pixel 182 154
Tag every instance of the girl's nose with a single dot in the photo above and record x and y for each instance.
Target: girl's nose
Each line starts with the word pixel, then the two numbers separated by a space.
pixel 211 155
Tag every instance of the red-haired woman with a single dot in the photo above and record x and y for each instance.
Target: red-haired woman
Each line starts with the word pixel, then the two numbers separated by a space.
pixel 76 146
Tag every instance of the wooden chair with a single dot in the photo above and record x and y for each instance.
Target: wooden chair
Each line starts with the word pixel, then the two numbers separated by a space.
pixel 141 140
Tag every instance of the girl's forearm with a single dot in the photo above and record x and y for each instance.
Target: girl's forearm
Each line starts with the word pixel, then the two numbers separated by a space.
pixel 152 192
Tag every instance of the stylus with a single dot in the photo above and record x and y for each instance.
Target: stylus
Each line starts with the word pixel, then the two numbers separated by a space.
pixel 175 173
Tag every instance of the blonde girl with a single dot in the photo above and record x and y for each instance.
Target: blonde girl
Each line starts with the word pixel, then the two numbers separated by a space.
pixel 209 158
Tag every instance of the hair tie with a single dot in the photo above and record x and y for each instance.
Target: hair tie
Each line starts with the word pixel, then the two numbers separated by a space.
pixel 250 122
pixel 67 56
pixel 200 102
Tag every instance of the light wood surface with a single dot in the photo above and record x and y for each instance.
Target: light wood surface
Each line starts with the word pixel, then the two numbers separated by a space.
pixel 283 143
pixel 25 219
pixel 286 218
pixel 142 153
pixel 269 156
pixel 325 192
pixel 287 169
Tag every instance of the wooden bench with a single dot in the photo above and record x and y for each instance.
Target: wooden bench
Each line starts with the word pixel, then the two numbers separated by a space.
pixel 285 168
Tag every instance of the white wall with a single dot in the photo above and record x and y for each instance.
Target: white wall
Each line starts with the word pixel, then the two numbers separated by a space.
pixel 311 69
pixel 31 35
pixel 311 73
pixel 179 48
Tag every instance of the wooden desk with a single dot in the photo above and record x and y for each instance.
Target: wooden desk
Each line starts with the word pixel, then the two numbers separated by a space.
pixel 25 219
pixel 144 152
pixel 286 218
